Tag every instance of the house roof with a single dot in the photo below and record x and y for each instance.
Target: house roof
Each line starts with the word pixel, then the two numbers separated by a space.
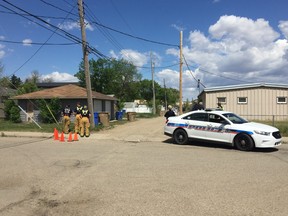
pixel 245 86
pixel 64 92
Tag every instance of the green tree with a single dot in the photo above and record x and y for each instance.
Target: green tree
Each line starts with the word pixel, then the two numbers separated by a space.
pixel 12 112
pixel 45 106
pixel 186 106
pixel 15 114
pixel 118 77
pixel 27 87
pixel 34 78
pixel 15 82
pixel 4 82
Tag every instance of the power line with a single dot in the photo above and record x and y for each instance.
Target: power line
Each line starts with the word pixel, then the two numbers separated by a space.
pixel 197 80
pixel 136 37
pixel 46 17
pixel 112 29
pixel 54 6
pixel 67 35
pixel 37 43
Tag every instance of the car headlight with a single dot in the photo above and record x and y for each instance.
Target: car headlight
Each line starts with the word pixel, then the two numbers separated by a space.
pixel 262 132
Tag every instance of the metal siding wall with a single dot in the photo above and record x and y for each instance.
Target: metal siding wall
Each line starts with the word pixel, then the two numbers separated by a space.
pixel 261 101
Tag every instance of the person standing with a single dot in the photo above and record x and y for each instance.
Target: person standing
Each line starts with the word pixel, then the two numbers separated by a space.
pixel 66 118
pixel 85 122
pixel 77 113
pixel 169 113
pixel 219 106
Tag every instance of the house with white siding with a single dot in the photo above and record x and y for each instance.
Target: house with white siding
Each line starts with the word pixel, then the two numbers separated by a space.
pixel 258 101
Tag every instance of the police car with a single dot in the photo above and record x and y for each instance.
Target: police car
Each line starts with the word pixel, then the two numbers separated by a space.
pixel 222 127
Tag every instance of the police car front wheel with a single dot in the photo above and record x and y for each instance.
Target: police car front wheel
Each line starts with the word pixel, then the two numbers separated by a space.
pixel 244 142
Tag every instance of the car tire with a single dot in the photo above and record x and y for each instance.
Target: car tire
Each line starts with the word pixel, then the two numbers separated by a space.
pixel 244 142
pixel 180 137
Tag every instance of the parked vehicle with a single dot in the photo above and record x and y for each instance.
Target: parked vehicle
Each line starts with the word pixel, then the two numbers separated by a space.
pixel 222 127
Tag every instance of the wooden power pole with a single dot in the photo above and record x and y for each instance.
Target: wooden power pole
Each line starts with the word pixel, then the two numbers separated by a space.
pixel 180 78
pixel 86 63
pixel 153 85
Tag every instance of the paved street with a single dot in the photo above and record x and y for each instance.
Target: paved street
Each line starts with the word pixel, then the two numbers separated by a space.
pixel 134 169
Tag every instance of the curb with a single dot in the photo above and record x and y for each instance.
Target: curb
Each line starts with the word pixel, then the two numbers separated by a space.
pixel 25 134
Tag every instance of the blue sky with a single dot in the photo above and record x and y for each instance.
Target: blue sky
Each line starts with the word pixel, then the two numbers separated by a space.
pixel 225 42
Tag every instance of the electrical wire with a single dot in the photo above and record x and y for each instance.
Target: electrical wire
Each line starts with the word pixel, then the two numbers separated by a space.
pixel 45 17
pixel 136 37
pixel 197 80
pixel 67 35
pixel 36 43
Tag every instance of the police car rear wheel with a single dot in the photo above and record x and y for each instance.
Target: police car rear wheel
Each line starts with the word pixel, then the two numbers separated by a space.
pixel 244 142
pixel 180 136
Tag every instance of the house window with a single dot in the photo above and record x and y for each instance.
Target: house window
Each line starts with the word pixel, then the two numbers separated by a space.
pixel 242 100
pixel 221 100
pixel 281 100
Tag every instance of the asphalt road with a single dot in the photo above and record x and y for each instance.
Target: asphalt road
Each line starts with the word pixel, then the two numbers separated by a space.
pixel 134 169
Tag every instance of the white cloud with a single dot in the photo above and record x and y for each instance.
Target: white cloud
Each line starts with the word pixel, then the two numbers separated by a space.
pixel 60 77
pixel 2 47
pixel 178 27
pixel 237 50
pixel 68 26
pixel 171 78
pixel 27 42
pixel 235 29
pixel 137 58
pixel 2 54
pixel 283 26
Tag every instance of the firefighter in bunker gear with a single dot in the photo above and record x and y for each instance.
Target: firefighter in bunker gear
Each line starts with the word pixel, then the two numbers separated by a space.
pixel 66 118
pixel 77 113
pixel 85 123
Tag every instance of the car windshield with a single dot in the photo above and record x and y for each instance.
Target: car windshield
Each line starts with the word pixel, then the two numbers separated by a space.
pixel 235 118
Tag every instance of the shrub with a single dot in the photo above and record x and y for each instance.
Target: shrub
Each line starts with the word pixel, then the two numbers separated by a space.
pixel 49 109
pixel 15 114
pixel 12 112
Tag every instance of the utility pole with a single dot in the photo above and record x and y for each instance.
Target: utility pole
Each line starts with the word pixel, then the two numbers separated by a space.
pixel 153 86
pixel 165 95
pixel 86 63
pixel 180 79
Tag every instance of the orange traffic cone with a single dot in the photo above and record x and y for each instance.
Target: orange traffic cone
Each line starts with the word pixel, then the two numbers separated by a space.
pixel 56 135
pixel 76 137
pixel 62 137
pixel 70 138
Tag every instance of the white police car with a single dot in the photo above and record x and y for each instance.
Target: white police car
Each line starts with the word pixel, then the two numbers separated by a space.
pixel 222 127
